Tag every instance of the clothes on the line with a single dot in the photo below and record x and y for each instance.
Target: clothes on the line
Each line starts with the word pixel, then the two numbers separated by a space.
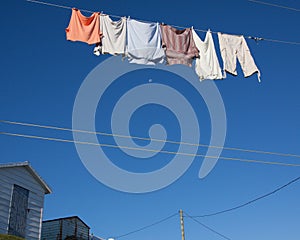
pixel 144 43
pixel 179 45
pixel 153 43
pixel 113 39
pixel 84 29
pixel 235 47
pixel 207 65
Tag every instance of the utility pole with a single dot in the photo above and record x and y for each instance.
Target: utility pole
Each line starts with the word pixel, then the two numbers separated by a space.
pixel 181 224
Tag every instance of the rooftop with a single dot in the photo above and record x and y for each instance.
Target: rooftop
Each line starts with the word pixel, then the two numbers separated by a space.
pixel 34 174
pixel 67 218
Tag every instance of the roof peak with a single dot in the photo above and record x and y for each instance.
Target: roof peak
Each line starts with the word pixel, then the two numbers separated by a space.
pixel 29 168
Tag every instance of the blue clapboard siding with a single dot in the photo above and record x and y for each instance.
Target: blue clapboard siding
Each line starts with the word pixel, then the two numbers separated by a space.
pixel 21 176
pixel 59 229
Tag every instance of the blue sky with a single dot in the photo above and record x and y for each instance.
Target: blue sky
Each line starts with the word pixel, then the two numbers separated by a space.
pixel 42 72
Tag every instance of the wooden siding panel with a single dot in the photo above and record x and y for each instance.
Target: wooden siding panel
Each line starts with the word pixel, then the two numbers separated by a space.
pixel 50 230
pixel 3 228
pixel 21 177
pixel 5 197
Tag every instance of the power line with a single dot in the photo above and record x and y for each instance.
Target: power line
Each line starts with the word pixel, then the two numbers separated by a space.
pixel 147 226
pixel 149 139
pixel 251 201
pixel 56 5
pixel 207 227
pixel 274 5
pixel 280 41
pixel 199 30
pixel 150 150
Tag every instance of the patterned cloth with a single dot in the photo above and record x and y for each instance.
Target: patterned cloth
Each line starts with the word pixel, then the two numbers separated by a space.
pixel 179 45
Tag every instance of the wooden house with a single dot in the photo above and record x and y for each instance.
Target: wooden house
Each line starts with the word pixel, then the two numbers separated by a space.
pixel 22 193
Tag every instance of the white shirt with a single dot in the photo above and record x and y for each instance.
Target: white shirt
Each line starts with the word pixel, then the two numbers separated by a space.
pixel 144 43
pixel 113 35
pixel 207 65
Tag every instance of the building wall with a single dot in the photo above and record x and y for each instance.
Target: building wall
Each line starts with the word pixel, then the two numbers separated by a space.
pixel 51 230
pixel 20 176
pixel 82 231
pixel 62 228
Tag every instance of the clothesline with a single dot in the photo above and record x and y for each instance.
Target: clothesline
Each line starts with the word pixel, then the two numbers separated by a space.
pixel 275 5
pixel 152 43
pixel 196 29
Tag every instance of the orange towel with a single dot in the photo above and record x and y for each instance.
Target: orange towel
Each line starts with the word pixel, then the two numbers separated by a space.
pixel 84 29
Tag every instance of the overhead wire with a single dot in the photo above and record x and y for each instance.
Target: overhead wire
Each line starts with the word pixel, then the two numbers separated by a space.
pixel 192 217
pixel 237 149
pixel 213 214
pixel 207 227
pixel 251 201
pixel 149 150
pixel 149 139
pixel 278 6
pixel 146 227
pixel 275 5
pixel 56 5
pixel 196 29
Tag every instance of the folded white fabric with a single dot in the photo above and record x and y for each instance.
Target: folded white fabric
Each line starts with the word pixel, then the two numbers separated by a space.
pixel 207 65
pixel 144 43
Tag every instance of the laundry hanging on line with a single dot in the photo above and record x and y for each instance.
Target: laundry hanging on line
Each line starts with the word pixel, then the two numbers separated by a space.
pixel 235 48
pixel 153 43
pixel 113 40
pixel 144 43
pixel 84 29
pixel 207 65
pixel 179 45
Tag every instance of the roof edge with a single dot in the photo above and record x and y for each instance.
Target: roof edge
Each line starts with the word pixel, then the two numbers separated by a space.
pixel 29 168
pixel 65 218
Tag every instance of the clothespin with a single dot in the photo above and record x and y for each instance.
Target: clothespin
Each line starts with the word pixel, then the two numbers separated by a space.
pixel 256 39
